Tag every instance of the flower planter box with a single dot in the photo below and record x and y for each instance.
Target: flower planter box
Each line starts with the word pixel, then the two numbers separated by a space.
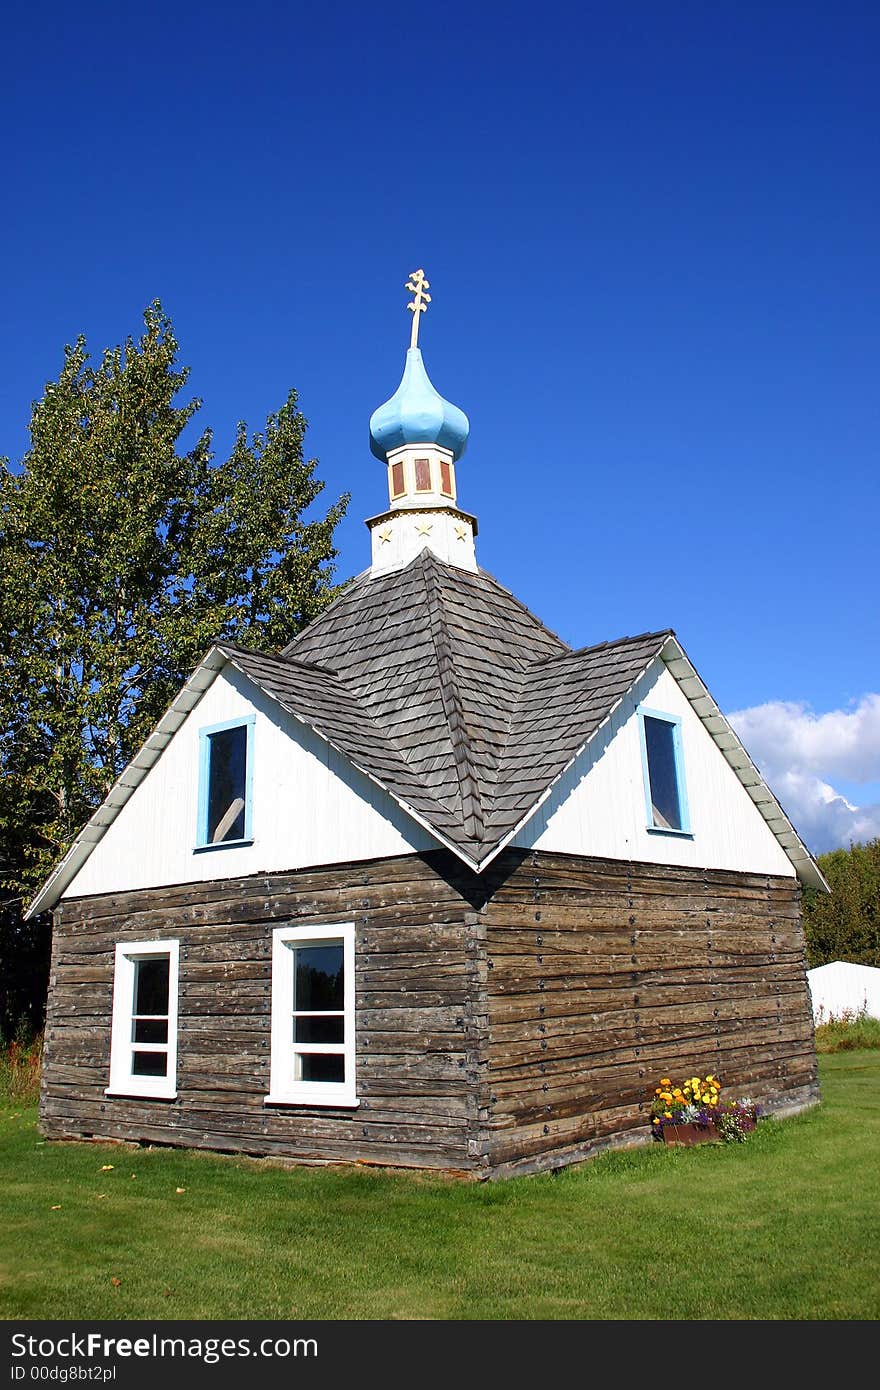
pixel 709 1120
pixel 688 1133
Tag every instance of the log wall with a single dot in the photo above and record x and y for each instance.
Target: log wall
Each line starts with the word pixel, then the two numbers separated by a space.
pixel 604 976
pixel 414 991
pixel 509 1022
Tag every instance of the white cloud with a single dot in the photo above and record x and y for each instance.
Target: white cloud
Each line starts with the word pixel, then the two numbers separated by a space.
pixel 797 750
pixel 841 743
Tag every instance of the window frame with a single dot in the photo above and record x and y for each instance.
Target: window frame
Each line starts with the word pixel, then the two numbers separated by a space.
pixel 447 485
pixel 395 491
pixel 247 722
pixel 282 1090
pixel 674 720
pixel 123 1080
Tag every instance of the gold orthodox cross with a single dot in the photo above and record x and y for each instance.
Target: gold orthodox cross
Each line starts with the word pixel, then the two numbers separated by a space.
pixel 417 285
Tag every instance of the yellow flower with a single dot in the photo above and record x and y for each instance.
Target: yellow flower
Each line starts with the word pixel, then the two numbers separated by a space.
pixel 664 1081
pixel 668 1115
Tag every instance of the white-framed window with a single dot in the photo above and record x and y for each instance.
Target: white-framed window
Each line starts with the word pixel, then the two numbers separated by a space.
pixel 143 1041
pixel 313 1046
pixel 666 800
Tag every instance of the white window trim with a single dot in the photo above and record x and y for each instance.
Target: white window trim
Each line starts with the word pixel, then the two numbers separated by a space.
pixel 283 1091
pixel 123 1081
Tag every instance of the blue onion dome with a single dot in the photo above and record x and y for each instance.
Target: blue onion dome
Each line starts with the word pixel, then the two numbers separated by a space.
pixel 417 414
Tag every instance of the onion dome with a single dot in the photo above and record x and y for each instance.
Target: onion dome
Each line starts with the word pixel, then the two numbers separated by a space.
pixel 417 414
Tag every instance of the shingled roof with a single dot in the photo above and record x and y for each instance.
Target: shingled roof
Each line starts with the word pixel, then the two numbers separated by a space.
pixel 447 690
pixel 440 686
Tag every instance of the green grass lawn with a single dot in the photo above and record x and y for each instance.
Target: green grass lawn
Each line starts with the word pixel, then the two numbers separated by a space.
pixel 786 1225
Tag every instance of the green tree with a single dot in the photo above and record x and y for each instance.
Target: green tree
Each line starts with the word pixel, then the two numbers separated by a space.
pixel 845 924
pixel 123 555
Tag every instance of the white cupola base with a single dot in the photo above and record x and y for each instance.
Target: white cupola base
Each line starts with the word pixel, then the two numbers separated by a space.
pixel 398 537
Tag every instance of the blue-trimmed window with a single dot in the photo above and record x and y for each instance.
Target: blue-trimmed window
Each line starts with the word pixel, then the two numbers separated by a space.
pixel 226 765
pixel 663 768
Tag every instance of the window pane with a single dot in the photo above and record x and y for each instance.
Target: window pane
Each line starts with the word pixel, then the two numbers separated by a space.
pixel 150 1064
pixel 151 987
pixel 397 487
pixel 319 1030
pixel 423 475
pixel 317 1066
pixel 226 784
pixel 660 745
pixel 151 1030
pixel 445 477
pixel 319 977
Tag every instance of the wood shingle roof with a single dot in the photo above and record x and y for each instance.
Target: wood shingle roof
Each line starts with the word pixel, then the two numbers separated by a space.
pixel 444 688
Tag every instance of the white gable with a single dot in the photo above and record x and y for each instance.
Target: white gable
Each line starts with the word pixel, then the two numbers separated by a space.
pixel 598 805
pixel 310 806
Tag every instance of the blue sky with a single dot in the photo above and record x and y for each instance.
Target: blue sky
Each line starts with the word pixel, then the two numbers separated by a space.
pixel 652 236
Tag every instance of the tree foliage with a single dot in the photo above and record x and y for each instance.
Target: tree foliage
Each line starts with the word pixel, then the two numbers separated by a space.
pixel 845 924
pixel 124 553
pixel 24 971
